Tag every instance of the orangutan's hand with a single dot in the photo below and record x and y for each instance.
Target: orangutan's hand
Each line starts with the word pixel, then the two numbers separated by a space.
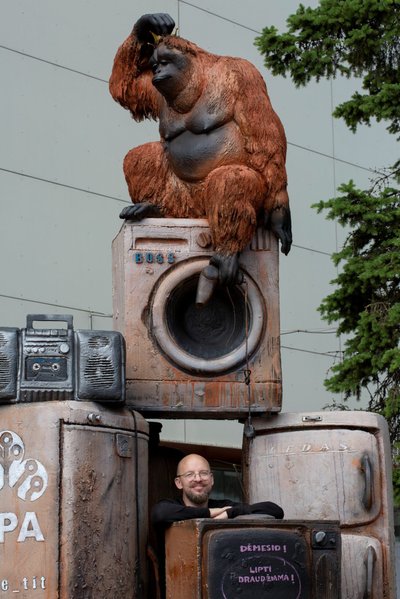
pixel 158 23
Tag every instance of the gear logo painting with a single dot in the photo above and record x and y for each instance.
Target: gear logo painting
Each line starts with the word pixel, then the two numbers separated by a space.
pixel 27 476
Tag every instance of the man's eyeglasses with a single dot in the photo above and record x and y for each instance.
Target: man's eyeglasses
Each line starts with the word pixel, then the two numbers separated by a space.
pixel 203 474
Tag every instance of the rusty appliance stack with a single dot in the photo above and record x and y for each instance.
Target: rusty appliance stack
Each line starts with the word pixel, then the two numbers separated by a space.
pixel 73 465
pixel 74 443
pixel 331 471
pixel 332 465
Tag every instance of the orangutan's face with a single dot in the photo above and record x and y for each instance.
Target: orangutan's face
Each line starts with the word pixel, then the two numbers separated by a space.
pixel 170 68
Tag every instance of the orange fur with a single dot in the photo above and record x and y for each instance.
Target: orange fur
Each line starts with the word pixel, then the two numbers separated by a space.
pixel 231 186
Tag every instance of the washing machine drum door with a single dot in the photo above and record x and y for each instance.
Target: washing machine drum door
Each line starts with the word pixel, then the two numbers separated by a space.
pixel 216 338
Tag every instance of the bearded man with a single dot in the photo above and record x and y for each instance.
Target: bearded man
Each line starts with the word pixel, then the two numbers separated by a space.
pixel 195 479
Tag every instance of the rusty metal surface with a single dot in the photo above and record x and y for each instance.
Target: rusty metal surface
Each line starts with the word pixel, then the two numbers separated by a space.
pixel 163 462
pixel 331 465
pixel 253 557
pixel 165 380
pixel 68 518
pixel 182 551
pixel 202 399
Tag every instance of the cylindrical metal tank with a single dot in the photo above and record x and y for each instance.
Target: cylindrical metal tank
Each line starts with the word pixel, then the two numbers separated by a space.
pixel 73 501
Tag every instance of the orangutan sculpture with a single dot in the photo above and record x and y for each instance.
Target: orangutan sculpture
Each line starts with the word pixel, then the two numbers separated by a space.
pixel 222 149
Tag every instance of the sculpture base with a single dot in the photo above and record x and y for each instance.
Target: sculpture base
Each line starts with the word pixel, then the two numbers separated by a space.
pixel 186 360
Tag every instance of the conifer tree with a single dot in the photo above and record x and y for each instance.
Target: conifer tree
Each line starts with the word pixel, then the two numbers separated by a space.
pixel 357 38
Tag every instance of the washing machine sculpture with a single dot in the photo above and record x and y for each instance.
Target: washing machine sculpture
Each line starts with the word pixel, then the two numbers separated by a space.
pixel 185 360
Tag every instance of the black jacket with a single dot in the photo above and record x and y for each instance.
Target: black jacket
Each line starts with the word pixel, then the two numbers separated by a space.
pixel 167 511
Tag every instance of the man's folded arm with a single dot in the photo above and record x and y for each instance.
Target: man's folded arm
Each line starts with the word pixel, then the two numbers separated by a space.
pixel 263 507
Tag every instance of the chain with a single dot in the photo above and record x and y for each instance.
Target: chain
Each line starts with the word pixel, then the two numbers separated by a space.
pixel 248 427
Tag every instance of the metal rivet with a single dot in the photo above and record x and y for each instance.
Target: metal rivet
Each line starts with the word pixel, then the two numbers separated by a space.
pixel 94 418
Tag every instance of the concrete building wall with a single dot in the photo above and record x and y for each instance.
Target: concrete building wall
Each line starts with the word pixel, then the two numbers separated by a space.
pixel 63 140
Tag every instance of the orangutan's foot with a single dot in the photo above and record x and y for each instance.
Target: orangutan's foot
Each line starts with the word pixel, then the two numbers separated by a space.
pixel 223 270
pixel 228 267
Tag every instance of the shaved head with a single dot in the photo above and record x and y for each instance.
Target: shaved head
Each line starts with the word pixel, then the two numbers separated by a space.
pixel 193 461
pixel 195 480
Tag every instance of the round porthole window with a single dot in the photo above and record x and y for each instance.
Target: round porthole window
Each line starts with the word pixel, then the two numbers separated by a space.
pixel 209 339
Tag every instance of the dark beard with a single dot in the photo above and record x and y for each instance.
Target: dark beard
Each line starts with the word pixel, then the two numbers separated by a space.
pixel 198 499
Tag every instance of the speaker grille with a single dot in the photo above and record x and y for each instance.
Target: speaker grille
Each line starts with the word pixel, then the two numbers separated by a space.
pixel 98 341
pixel 99 372
pixel 5 369
pixel 8 363
pixel 100 363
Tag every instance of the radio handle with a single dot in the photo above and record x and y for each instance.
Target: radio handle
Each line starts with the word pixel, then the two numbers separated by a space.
pixel 68 318
pixel 369 561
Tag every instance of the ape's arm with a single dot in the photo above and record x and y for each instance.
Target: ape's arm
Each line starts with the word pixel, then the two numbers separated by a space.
pixel 131 77
pixel 266 147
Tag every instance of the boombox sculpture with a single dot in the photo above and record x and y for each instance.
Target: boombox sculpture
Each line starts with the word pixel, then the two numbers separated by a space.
pixel 42 364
